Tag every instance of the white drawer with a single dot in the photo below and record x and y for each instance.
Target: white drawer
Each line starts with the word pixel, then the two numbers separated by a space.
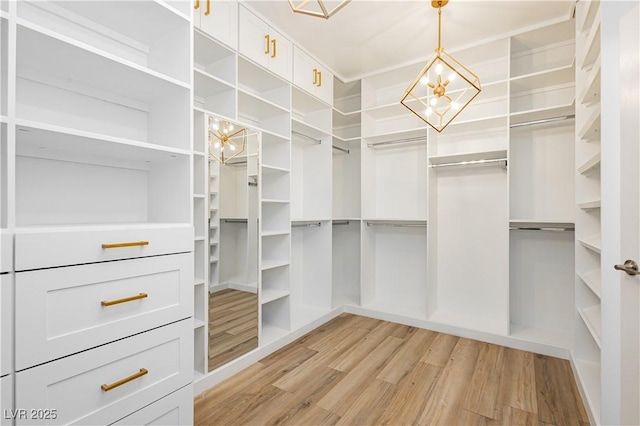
pixel 172 410
pixel 73 385
pixel 37 249
pixel 6 252
pixel 60 311
pixel 6 401
pixel 6 328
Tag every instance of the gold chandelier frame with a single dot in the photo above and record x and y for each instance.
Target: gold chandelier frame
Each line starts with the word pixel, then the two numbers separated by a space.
pixel 225 141
pixel 301 6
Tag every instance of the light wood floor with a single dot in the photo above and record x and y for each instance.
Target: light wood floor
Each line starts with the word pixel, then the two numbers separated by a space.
pixel 233 325
pixel 361 371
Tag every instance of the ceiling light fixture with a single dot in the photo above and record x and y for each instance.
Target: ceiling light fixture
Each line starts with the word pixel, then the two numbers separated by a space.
pixel 443 88
pixel 306 7
pixel 225 141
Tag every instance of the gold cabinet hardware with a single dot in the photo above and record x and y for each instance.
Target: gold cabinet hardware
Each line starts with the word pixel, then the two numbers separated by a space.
pixel 208 11
pixel 130 244
pixel 197 4
pixel 124 300
pixel 121 382
pixel 267 44
pixel 315 76
pixel 274 44
pixel 319 78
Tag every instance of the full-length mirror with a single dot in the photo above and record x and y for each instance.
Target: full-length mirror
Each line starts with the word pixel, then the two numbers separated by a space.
pixel 233 241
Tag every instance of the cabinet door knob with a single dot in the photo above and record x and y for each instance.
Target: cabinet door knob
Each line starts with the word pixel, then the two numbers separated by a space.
pixel 197 4
pixel 121 382
pixel 267 44
pixel 274 43
pixel 208 11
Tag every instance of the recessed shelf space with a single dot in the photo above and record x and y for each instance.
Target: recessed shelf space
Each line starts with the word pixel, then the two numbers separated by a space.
pixel 593 280
pixel 275 185
pixel 263 114
pixel 591 50
pixel 276 250
pixel 562 75
pixel 385 88
pixel 592 319
pixel 587 15
pixel 263 85
pixel 269 295
pixel 303 133
pixel 214 59
pixel 151 185
pixel 591 92
pixel 276 320
pixel 275 218
pixel 590 130
pixel 591 165
pixel 86 87
pixel 592 243
pixel 552 101
pixel 124 37
pixel 345 263
pixel 275 152
pixel 213 94
pixel 346 96
pixel 310 111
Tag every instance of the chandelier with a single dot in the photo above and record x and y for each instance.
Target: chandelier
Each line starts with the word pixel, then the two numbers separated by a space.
pixel 443 88
pixel 309 7
pixel 225 142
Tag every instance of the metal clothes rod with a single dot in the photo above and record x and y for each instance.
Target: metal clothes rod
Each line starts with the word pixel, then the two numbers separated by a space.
pixel 536 228
pixel 341 222
pixel 544 120
pixel 232 163
pixel 302 135
pixel 467 163
pixel 398 225
pixel 306 225
pixel 253 183
pixel 235 220
pixel 407 140
pixel 340 149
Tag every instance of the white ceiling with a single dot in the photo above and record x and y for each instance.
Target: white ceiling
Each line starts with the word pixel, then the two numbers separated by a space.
pixel 368 36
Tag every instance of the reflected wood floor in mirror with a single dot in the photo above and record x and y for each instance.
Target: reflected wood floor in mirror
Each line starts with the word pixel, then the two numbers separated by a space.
pixel 355 370
pixel 233 325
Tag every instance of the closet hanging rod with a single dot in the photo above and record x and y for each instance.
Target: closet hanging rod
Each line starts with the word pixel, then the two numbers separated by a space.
pixel 341 222
pixel 398 225
pixel 543 120
pixel 540 228
pixel 472 162
pixel 253 183
pixel 340 149
pixel 235 221
pixel 233 163
pixel 302 135
pixel 306 225
pixel 398 141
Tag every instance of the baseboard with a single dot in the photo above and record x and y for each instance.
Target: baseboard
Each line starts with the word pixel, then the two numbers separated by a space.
pixel 593 417
pixel 233 286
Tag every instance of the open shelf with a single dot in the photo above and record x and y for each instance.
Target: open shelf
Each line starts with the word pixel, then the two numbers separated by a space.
pixel 590 131
pixel 468 157
pixel 263 114
pixel 272 264
pixel 593 280
pixel 591 92
pixel 269 295
pixel 263 85
pixel 543 224
pixel 472 322
pixel 591 243
pixel 213 58
pixel 592 319
pixel 590 165
pixel 562 75
pixel 592 46
pixel 590 205
pixel 548 336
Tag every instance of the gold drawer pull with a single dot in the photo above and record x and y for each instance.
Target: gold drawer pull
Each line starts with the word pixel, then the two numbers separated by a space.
pixel 125 300
pixel 121 382
pixel 197 4
pixel 131 244
pixel 208 11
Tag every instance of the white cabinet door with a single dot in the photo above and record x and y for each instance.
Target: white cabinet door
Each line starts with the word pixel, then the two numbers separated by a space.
pixel 281 55
pixel 6 252
pixel 219 19
pixel 6 328
pixel 324 89
pixel 312 77
pixel 254 40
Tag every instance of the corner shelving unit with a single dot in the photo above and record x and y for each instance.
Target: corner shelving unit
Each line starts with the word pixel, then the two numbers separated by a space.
pixel 588 279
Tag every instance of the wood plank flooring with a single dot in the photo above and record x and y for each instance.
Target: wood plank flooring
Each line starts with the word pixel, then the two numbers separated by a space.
pixel 362 371
pixel 233 325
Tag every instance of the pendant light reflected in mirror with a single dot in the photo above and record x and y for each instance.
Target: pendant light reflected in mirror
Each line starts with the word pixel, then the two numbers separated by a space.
pixel 443 88
pixel 319 8
pixel 226 140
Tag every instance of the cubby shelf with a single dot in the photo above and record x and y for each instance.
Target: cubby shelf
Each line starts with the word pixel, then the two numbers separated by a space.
pixel 590 205
pixel 271 333
pixel 269 295
pixel 272 264
pixel 546 78
pixel 592 279
pixel 590 165
pixel 592 319
pixel 590 131
pixel 198 323
pixel 591 243
pixel 468 157
pixel 591 93
pixel 302 132
pixel 592 46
